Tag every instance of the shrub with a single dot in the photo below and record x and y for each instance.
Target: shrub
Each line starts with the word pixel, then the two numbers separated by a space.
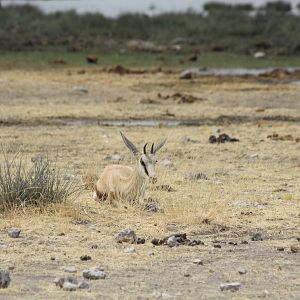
pixel 39 184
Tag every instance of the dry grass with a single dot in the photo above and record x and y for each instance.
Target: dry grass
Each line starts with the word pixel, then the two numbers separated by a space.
pixel 252 185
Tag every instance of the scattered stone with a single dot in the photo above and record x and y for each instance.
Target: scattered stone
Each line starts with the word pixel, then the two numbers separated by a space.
pixel 232 286
pixel 176 240
pixel 232 243
pixel 4 279
pixel 198 261
pixel 152 207
pixel 242 271
pixel 196 176
pixel 14 232
pixel 221 139
pixel 244 242
pixel 140 240
pixel 126 236
pixel 59 281
pixel 257 237
pixel 130 250
pixel 295 248
pixel 298 239
pixel 151 253
pixel 94 273
pixel 166 163
pixel 69 286
pixel 92 59
pixel 52 258
pixel 85 257
pixel 217 246
pixel 82 285
pixel 70 270
pixel 280 249
pixel 259 54
pixel 187 274
pixel 94 246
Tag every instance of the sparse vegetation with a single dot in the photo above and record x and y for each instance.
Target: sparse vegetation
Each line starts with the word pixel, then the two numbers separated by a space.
pixel 39 184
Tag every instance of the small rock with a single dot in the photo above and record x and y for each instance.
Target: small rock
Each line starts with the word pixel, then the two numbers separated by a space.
pixel 94 273
pixel 259 54
pixel 152 207
pixel 298 239
pixel 140 241
pixel 130 250
pixel 244 242
pixel 257 237
pixel 295 248
pixel 126 236
pixel 69 286
pixel 198 261
pixel 172 241
pixel 280 249
pixel 85 257
pixel 82 285
pixel 70 270
pixel 217 246
pixel 151 253
pixel 242 271
pixel 52 258
pixel 187 275
pixel 59 281
pixel 166 163
pixel 4 279
pixel 14 232
pixel 232 286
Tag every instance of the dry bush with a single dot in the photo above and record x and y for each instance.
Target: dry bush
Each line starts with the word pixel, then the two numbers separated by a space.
pixel 39 184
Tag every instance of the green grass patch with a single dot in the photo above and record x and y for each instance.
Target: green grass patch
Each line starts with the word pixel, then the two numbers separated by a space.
pixel 45 60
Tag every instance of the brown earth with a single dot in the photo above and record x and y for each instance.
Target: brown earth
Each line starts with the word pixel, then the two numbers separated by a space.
pixel 252 187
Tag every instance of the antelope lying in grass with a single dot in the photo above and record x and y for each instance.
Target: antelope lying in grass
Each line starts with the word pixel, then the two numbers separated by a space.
pixel 119 182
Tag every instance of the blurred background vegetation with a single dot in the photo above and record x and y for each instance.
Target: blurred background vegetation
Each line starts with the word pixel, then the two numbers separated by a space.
pixel 242 29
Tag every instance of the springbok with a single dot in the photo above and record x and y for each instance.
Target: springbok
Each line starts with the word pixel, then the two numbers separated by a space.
pixel 119 182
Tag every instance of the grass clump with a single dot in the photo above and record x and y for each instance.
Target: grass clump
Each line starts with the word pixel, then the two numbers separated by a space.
pixel 38 184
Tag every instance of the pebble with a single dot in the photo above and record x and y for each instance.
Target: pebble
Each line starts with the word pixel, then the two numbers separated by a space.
pixel 69 286
pixel 94 273
pixel 85 257
pixel 130 250
pixel 70 270
pixel 242 271
pixel 126 236
pixel 82 285
pixel 151 253
pixel 280 249
pixel 172 241
pixel 198 261
pixel 231 286
pixel 14 232
pixel 257 237
pixel 4 279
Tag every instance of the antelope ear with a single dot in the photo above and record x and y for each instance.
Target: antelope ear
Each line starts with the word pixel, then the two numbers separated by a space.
pixel 156 147
pixel 130 145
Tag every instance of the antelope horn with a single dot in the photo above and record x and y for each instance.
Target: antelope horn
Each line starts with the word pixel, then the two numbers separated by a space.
pixel 145 148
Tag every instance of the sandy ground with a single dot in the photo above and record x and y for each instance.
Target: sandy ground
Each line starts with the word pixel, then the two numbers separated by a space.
pixel 253 185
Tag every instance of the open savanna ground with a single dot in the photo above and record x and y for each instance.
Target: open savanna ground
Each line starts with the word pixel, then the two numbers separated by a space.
pixel 252 186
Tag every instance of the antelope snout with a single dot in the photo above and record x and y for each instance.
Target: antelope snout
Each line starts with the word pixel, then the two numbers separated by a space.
pixel 153 179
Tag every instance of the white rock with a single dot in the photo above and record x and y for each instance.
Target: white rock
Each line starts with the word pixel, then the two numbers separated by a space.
pixel 69 286
pixel 231 286
pixel 94 273
pixel 259 54
pixel 70 270
pixel 130 250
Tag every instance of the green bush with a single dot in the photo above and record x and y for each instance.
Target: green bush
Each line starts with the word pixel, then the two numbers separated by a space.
pixel 39 184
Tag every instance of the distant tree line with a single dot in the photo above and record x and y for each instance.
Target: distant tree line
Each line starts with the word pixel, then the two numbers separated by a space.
pixel 237 28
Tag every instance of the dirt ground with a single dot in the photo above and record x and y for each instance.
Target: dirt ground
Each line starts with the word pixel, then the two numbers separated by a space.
pixel 253 185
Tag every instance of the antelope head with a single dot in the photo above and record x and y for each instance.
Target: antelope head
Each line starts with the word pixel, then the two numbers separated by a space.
pixel 145 161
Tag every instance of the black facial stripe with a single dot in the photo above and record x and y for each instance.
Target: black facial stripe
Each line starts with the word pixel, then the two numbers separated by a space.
pixel 144 166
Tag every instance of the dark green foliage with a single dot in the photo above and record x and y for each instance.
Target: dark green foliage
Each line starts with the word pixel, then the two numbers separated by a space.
pixel 39 184
pixel 225 27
